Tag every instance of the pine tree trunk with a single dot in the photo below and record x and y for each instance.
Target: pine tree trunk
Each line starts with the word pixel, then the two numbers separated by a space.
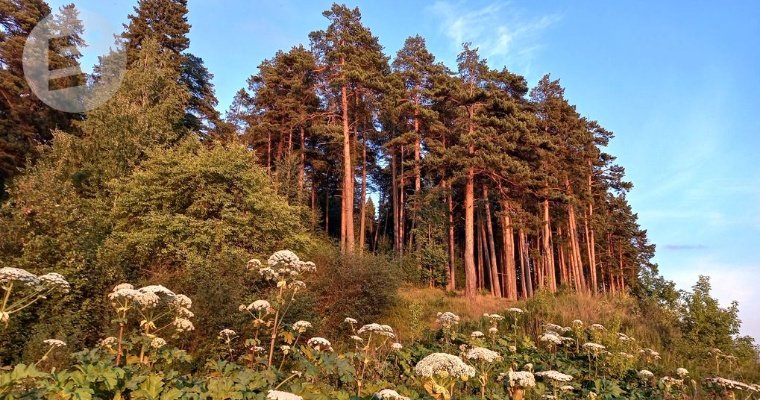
pixel 483 262
pixel 394 200
pixel 495 283
pixel 327 212
pixel 451 244
pixel 548 250
pixel 591 242
pixel 469 234
pixel 363 201
pixel 508 243
pixel 402 206
pixel 525 249
pixel 575 256
pixel 523 263
pixel 302 167
pixel 347 214
pixel 565 278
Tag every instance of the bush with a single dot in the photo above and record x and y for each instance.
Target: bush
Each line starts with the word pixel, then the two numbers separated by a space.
pixel 361 287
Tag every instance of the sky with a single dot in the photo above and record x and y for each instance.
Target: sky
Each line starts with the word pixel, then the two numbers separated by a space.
pixel 676 81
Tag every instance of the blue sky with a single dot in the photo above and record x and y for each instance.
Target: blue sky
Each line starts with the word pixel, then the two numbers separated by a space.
pixel 676 81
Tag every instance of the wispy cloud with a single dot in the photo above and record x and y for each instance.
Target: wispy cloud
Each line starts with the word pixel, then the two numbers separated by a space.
pixel 683 247
pixel 499 30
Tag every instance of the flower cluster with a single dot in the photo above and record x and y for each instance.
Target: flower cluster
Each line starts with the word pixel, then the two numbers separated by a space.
pixel 443 365
pixel 278 395
pixel 482 354
pixel 555 376
pixel 282 266
pixel 388 394
pixel 521 379
pixel 301 326
pixel 447 319
pixel 377 329
pixel 730 385
pixel 54 343
pixel 319 344
pixel 31 286
pixel 646 374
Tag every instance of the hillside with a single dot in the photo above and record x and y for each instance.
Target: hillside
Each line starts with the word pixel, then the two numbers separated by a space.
pixel 358 225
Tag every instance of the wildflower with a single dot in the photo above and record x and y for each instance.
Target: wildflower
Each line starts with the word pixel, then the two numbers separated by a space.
pixel 513 349
pixel 494 317
pixel 593 348
pixel 297 285
pixel 54 343
pixel 567 340
pixel 554 328
pixel 319 344
pixel 107 342
pixel 447 319
pixel 682 372
pixel 259 305
pixel 283 258
pixel 146 300
pixel 521 379
pixel 254 263
pixel 54 281
pixel 350 321
pixel 528 367
pixel 555 376
pixel 624 338
pixel 18 275
pixel 482 354
pixel 567 388
pixel 388 394
pixel 301 326
pixel 257 349
pixel 577 324
pixel 397 346
pixel 227 334
pixel 597 327
pixel 377 329
pixel 592 395
pixel 4 316
pixel 645 374
pixel 158 290
pixel 183 325
pixel 515 310
pixel 444 365
pixel 183 301
pixel 285 349
pixel 476 334
pixel 551 338
pixel 493 330
pixel 278 395
pixel 357 338
pixel 157 343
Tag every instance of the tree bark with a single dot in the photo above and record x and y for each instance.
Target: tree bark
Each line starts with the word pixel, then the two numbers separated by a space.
pixel 394 200
pixel 495 282
pixel 363 201
pixel 508 243
pixel 548 250
pixel 451 244
pixel 347 220
pixel 469 223
pixel 401 205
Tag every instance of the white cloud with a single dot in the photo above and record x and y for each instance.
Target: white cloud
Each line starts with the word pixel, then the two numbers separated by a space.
pixel 502 34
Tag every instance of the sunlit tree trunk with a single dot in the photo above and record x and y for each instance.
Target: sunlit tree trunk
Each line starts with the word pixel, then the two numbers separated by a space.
pixel 347 214
pixel 548 249
pixel 363 201
pixel 495 281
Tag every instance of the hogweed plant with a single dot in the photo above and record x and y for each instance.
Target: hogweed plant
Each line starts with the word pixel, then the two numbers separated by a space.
pixel 448 322
pixel 52 345
pixel 518 383
pixel 515 313
pixel 441 372
pixel 555 379
pixel 370 340
pixel 22 288
pixel 283 269
pixel 485 359
pixel 160 311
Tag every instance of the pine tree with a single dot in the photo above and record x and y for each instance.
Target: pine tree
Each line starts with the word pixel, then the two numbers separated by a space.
pixel 350 60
